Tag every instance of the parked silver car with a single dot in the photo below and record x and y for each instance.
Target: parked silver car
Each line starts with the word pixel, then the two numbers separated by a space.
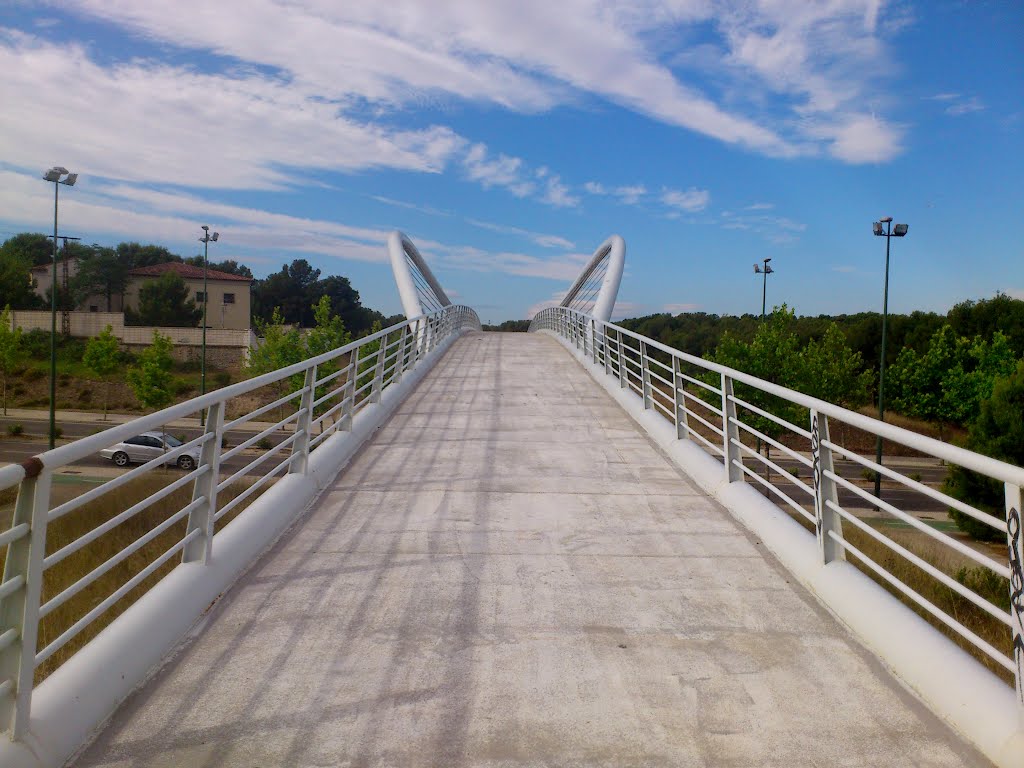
pixel 149 446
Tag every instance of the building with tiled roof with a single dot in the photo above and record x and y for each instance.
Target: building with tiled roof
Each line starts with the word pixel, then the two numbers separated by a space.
pixel 229 305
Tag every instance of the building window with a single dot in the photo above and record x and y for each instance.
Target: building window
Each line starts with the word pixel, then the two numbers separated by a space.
pixel 200 297
pixel 229 298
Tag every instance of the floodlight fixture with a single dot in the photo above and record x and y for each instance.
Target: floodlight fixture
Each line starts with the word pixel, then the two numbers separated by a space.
pixel 877 229
pixel 215 237
pixel 885 219
pixel 204 228
pixel 900 230
pixel 71 179
pixel 52 175
pixel 757 269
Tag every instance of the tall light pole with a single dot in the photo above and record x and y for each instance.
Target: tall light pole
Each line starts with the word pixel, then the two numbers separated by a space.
pixel 888 233
pixel 206 239
pixel 767 270
pixel 58 175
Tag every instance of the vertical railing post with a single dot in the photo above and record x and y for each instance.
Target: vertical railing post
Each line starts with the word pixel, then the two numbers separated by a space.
pixel 21 608
pixel 826 519
pixel 202 517
pixel 1015 548
pixel 348 395
pixel 679 400
pixel 303 425
pixel 604 350
pixel 623 376
pixel 645 377
pixel 396 376
pixel 378 370
pixel 730 433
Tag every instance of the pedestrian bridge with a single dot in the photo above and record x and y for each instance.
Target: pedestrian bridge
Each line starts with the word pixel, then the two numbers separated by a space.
pixel 482 549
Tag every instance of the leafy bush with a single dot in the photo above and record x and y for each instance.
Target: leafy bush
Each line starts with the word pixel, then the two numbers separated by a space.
pixel 264 444
pixel 222 378
pixel 15 429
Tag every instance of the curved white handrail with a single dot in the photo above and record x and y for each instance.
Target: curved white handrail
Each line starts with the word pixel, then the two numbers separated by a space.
pixel 417 286
pixel 601 276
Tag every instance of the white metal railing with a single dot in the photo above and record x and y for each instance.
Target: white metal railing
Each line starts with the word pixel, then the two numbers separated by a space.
pixel 334 387
pixel 700 398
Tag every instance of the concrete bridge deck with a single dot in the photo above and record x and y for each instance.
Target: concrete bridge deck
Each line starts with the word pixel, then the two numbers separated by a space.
pixel 511 574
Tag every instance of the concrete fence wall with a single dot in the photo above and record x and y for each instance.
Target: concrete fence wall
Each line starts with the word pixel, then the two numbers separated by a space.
pixel 89 324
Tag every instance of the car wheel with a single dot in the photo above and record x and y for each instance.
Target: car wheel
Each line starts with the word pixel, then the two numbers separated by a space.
pixel 186 463
pixel 121 459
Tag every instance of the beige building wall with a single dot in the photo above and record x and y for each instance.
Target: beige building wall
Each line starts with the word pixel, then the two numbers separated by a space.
pixel 229 306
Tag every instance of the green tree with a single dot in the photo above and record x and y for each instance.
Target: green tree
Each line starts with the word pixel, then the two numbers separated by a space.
pixel 165 302
pixel 832 371
pixel 997 432
pixel 103 359
pixel 11 350
pixel 280 346
pixel 35 247
pixel 101 273
pixel 16 288
pixel 151 379
pixel 134 255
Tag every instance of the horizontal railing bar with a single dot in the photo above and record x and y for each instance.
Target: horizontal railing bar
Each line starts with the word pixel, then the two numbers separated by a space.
pixel 125 588
pixel 924 528
pixel 332 376
pixel 331 411
pixel 259 436
pixel 332 393
pixel 7 638
pixel 259 460
pixel 263 409
pixel 977 514
pixel 699 383
pixel 360 390
pixel 11 586
pixel 699 401
pixel 124 478
pixel 664 409
pixel 768 462
pixel 11 475
pixel 771 441
pixel 977 642
pixel 716 429
pixel 662 379
pixel 12 535
pixel 716 449
pixel 772 417
pixel 777 491
pixel 924 565
pixel 251 489
pixel 658 362
pixel 58 600
pixel 127 514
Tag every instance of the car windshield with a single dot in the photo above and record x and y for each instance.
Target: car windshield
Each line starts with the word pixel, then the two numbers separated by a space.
pixel 171 441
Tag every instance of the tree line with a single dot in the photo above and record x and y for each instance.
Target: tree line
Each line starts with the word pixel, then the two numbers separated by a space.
pixel 165 301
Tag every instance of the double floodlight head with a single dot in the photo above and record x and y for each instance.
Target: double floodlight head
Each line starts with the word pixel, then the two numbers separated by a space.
pixel 55 173
pixel 767 270
pixel 898 230
pixel 207 237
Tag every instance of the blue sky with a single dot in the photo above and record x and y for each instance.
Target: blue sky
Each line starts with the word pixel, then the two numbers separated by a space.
pixel 509 138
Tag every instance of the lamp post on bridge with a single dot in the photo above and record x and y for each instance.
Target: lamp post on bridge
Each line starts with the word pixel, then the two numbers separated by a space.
pixel 58 175
pixel 888 233
pixel 206 239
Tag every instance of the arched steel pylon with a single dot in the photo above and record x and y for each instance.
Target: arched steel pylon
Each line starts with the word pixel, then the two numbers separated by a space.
pixel 420 292
pixel 595 290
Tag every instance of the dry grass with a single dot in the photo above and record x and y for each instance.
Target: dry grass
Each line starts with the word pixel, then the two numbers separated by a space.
pixel 73 525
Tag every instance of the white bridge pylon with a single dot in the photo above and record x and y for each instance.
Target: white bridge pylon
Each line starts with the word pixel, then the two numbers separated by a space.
pixel 420 292
pixel 595 290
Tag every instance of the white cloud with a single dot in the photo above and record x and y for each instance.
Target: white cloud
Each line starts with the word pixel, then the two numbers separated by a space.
pixel 545 241
pixel 690 201
pixel 629 194
pixel 427 209
pixel 556 193
pixel 864 139
pixel 817 59
pixel 501 171
pixel 760 207
pixel 972 104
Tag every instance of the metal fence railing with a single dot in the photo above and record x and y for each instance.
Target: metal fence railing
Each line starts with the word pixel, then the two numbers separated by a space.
pixel 48 609
pixel 960 586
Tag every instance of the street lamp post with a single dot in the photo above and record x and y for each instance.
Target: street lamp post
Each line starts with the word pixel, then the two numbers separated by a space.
pixel 58 175
pixel 888 233
pixel 206 239
pixel 767 270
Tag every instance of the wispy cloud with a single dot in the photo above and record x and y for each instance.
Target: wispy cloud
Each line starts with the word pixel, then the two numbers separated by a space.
pixel 545 241
pixel 972 104
pixel 691 200
pixel 629 194
pixel 430 210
